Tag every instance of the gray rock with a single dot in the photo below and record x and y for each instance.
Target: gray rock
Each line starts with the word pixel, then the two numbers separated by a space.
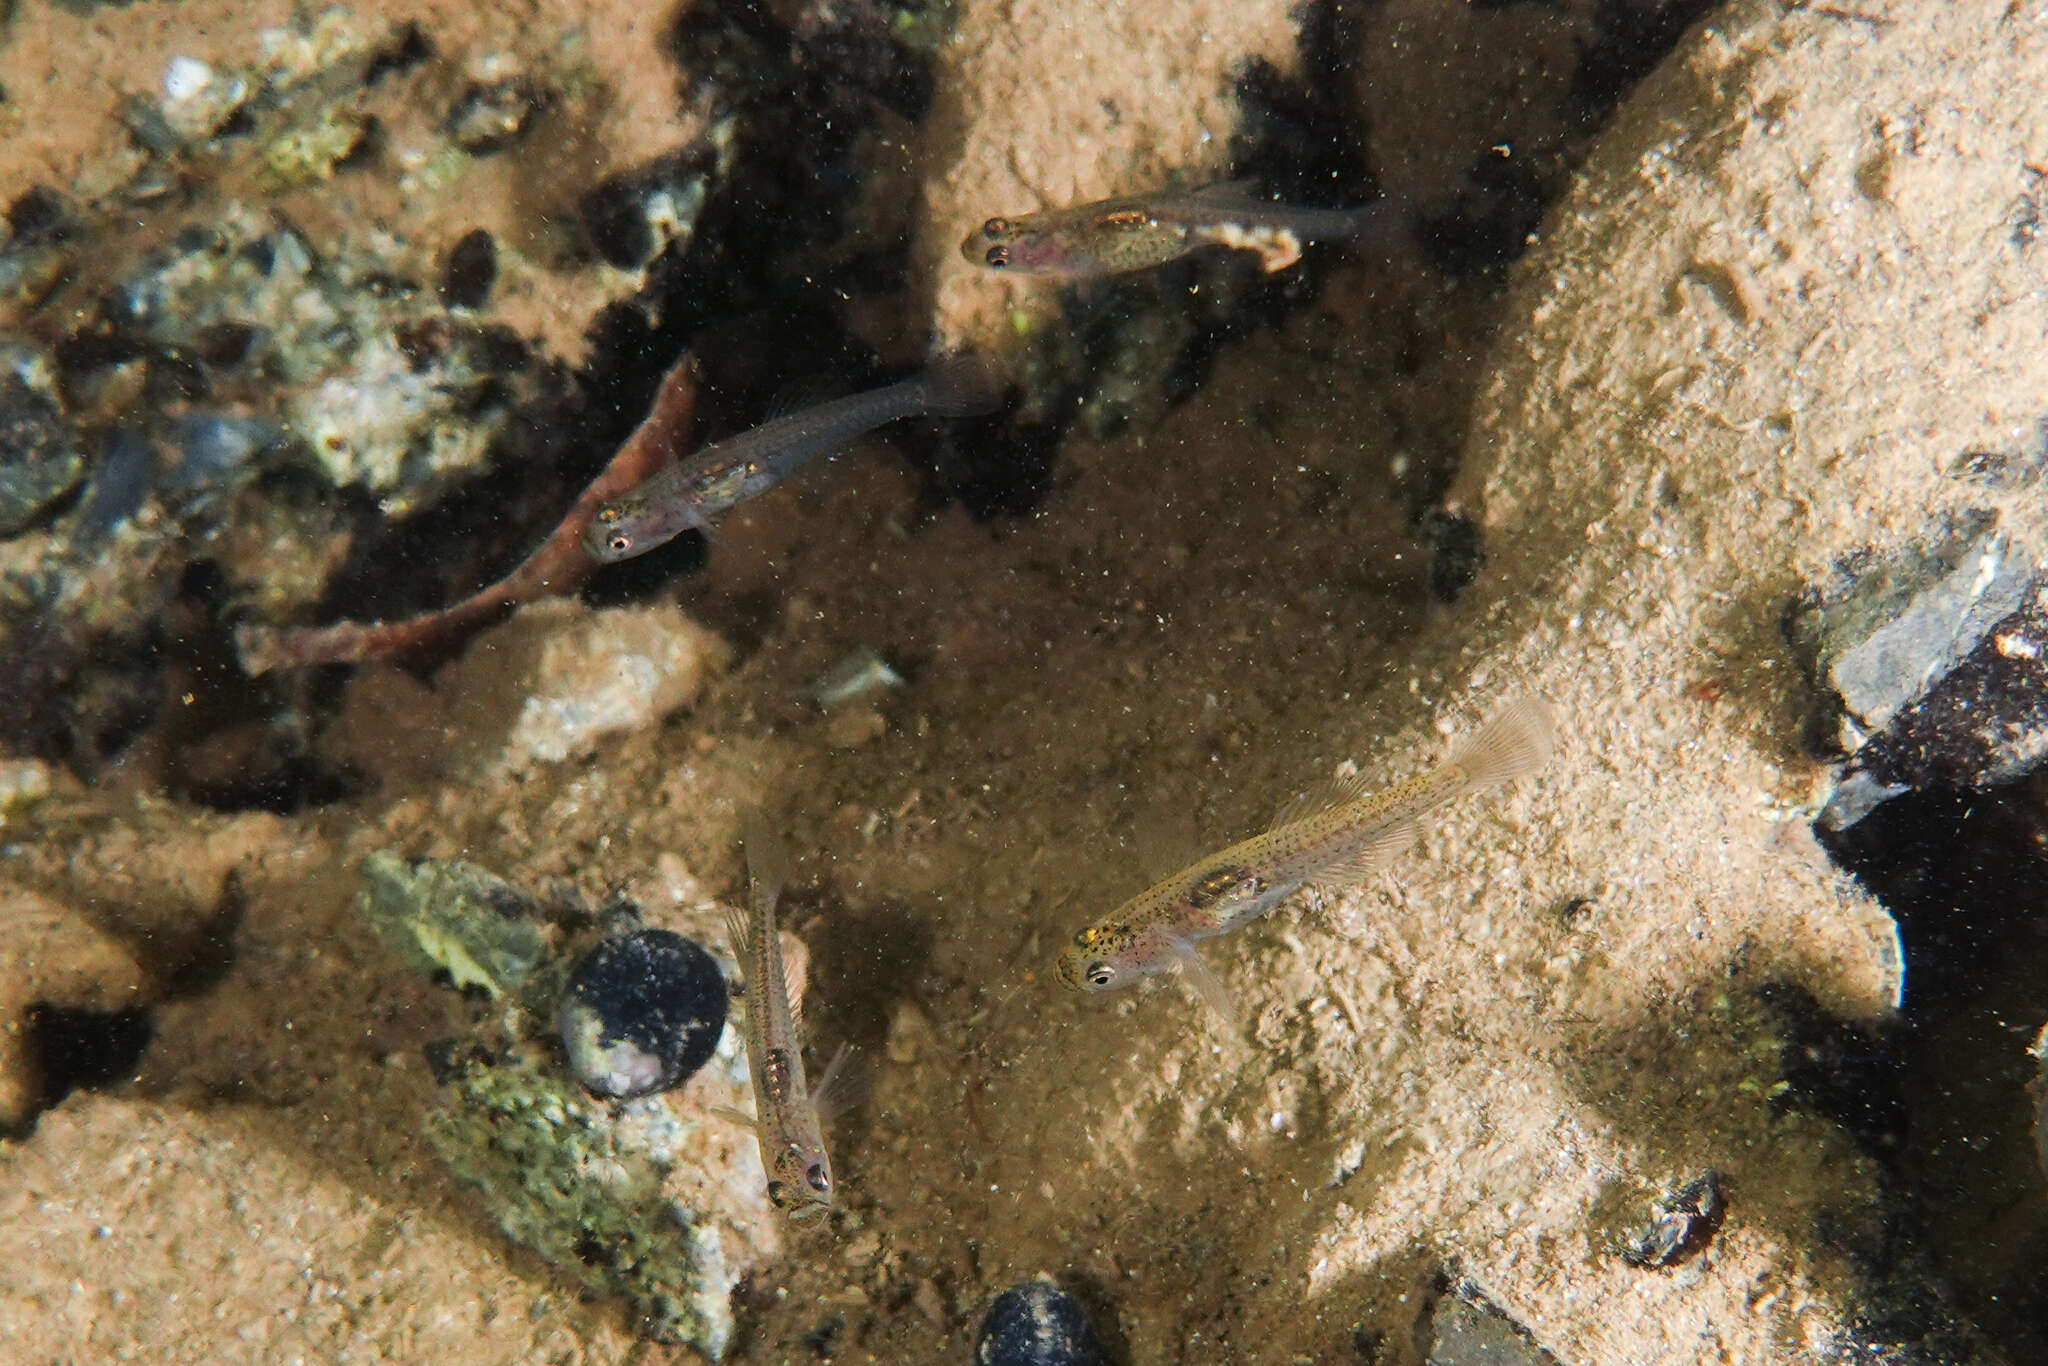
pixel 1462 1331
pixel 1897 623
pixel 39 460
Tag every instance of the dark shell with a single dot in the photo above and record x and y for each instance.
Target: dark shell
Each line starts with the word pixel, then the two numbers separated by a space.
pixel 1037 1324
pixel 1685 1222
pixel 642 1012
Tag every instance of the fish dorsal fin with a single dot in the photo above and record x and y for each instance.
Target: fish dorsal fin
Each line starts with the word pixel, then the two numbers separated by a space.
pixel 1380 846
pixel 1345 785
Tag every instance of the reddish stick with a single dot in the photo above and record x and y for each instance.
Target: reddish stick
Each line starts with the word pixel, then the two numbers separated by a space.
pixel 559 565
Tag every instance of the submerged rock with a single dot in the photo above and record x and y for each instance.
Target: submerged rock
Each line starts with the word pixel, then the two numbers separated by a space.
pixel 1930 653
pixel 39 459
pixel 1037 1324
pixel 453 917
pixel 558 679
pixel 627 1199
pixel 1984 723
pixel 629 1192
pixel 642 1012
pixel 1459 1330
pixel 1681 1224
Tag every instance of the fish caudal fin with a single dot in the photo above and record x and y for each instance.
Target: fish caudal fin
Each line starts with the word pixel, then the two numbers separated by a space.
pixel 1515 742
pixel 767 863
pixel 962 385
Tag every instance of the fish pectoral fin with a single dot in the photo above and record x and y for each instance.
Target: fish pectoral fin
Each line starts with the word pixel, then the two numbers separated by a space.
pixel 1203 981
pixel 738 935
pixel 727 1113
pixel 1369 857
pixel 838 1088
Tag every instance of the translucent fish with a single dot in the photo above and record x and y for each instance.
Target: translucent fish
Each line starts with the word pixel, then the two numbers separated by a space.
pixel 1331 838
pixel 1135 232
pixel 729 472
pixel 787 1111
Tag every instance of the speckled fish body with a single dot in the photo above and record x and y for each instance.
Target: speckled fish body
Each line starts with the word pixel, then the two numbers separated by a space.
pixel 1140 231
pixel 786 1119
pixel 692 494
pixel 1331 839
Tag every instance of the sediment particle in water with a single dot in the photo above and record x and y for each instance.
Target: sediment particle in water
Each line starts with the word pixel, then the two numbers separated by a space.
pixel 1037 1324
pixel 642 1012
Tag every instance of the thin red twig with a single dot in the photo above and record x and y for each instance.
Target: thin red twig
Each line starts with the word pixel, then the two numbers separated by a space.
pixel 559 565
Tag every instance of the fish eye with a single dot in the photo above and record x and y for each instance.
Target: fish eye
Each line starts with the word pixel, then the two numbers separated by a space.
pixel 1100 974
pixel 995 227
pixel 778 1195
pixel 997 257
pixel 619 544
pixel 815 1174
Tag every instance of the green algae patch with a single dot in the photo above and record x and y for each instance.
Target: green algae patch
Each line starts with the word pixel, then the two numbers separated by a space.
pixel 453 917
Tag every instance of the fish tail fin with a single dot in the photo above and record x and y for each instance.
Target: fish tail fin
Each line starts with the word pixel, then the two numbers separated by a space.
pixel 767 864
pixel 963 384
pixel 1514 742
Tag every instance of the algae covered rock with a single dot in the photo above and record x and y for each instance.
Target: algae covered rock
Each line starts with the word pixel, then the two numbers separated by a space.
pixel 621 1197
pixel 453 917
pixel 637 1186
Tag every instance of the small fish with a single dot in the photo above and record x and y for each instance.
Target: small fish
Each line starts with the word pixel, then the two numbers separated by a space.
pixel 728 472
pixel 1138 231
pixel 787 1114
pixel 1332 837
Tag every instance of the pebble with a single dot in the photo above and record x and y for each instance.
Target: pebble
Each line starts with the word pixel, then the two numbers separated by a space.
pixel 642 1012
pixel 1037 1324
pixel 1682 1223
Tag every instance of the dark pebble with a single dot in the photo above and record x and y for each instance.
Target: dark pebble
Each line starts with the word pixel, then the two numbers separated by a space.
pixel 120 482
pixel 1456 554
pixel 642 1012
pixel 38 462
pixel 470 271
pixel 1037 1324
pixel 1683 1223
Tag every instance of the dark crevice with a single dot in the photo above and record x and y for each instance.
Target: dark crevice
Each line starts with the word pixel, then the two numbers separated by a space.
pixel 80 1048
pixel 1965 875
